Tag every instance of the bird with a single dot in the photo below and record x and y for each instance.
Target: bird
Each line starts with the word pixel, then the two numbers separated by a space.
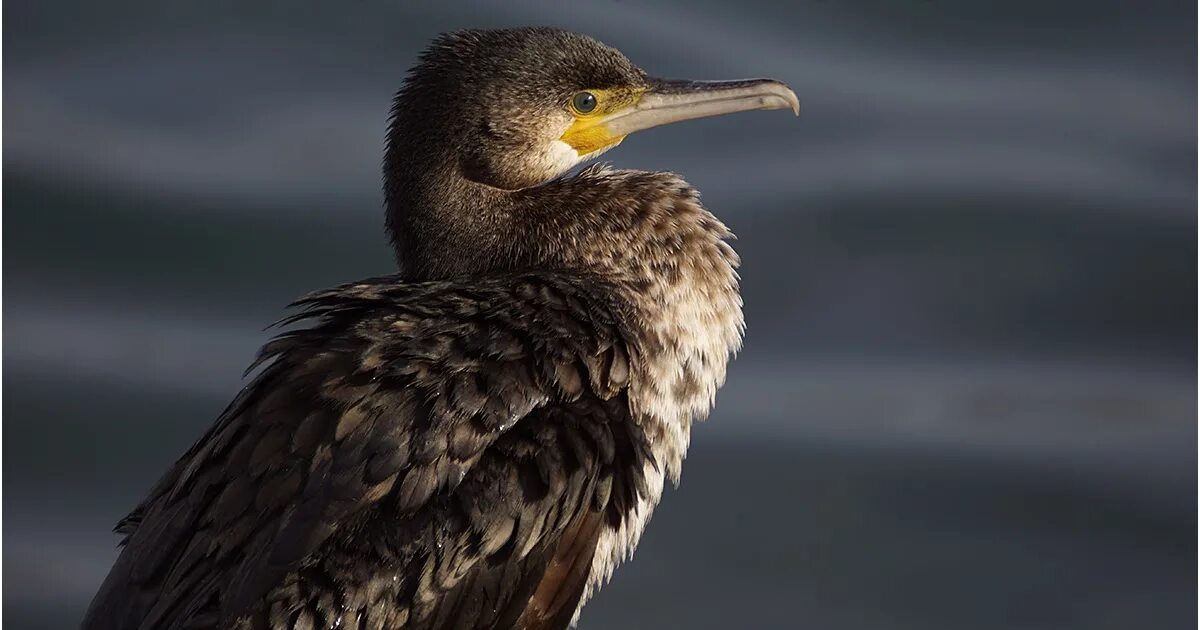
pixel 478 439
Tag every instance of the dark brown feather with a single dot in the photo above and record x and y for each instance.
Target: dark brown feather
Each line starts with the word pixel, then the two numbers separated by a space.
pixel 367 465
pixel 553 604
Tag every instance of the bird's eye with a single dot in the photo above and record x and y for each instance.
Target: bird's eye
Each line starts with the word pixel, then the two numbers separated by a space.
pixel 584 102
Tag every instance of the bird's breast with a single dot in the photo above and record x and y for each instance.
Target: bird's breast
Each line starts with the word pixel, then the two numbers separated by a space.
pixel 689 322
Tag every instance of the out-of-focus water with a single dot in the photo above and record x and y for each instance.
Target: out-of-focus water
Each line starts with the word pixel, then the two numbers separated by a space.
pixel 968 393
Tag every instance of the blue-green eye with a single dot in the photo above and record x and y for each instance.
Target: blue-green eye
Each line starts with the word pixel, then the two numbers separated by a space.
pixel 584 102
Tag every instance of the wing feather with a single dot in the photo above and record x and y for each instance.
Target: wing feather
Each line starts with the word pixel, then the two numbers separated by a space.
pixel 504 393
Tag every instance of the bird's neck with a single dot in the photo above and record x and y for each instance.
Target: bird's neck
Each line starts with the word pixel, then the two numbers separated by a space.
pixel 438 220
pixel 617 223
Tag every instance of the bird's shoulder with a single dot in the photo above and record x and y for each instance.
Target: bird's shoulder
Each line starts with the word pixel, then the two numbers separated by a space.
pixel 384 388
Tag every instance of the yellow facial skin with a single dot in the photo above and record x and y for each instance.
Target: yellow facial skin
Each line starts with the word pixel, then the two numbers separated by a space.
pixel 587 134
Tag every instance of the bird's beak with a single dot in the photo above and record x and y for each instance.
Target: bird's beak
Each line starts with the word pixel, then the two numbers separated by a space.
pixel 664 102
pixel 675 101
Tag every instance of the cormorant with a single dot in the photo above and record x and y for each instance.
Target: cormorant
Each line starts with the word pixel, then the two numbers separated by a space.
pixel 478 441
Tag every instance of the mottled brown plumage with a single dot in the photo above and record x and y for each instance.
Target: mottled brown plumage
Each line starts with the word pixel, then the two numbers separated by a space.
pixel 478 441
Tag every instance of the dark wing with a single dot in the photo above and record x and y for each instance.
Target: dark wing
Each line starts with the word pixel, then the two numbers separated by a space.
pixel 402 433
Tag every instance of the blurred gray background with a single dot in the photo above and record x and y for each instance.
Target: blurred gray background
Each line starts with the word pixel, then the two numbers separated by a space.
pixel 968 392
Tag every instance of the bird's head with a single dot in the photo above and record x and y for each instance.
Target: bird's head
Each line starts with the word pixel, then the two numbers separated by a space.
pixel 514 108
